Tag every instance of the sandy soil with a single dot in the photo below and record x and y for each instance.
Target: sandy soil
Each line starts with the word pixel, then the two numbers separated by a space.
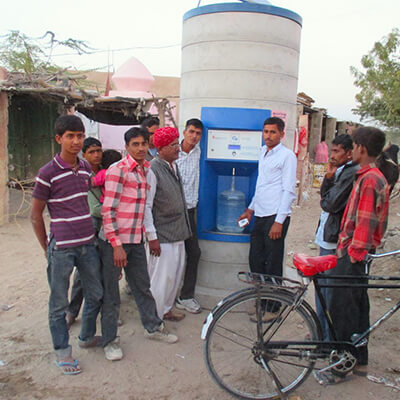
pixel 152 370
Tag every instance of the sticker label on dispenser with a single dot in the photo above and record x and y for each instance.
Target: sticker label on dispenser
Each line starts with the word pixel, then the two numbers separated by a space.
pixel 234 145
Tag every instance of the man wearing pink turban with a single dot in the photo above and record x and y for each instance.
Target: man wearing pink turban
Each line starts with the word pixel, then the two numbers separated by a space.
pixel 167 223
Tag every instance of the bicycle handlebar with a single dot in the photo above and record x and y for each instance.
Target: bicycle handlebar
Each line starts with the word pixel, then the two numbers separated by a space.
pixel 390 253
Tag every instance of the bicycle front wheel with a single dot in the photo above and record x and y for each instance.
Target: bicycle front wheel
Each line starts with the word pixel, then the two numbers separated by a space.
pixel 239 353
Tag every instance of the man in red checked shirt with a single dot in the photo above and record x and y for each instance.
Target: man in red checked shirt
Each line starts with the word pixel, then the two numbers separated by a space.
pixel 363 225
pixel 123 244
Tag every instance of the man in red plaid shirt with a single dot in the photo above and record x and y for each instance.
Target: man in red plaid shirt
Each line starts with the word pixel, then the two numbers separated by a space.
pixel 123 244
pixel 363 225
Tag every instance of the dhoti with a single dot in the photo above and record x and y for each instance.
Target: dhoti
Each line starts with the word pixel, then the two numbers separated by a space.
pixel 166 274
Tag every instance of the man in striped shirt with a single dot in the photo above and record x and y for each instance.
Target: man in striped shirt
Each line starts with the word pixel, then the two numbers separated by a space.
pixel 63 186
pixel 123 214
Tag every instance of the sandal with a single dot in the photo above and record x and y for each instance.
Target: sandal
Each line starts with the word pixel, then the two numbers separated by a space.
pixel 68 367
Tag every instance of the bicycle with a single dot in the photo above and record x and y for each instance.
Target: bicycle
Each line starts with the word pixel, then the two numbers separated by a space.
pixel 268 360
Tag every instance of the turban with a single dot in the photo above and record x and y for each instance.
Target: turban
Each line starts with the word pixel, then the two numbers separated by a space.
pixel 164 136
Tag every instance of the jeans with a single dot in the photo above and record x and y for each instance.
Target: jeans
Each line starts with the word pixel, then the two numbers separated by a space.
pixel 266 255
pixel 139 282
pixel 76 295
pixel 192 259
pixel 349 307
pixel 326 294
pixel 61 262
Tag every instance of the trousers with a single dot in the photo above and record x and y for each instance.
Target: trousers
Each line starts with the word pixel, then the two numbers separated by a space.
pixel 349 307
pixel 139 283
pixel 61 262
pixel 192 258
pixel 326 294
pixel 266 255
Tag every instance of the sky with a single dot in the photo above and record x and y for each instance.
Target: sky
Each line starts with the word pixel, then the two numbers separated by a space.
pixel 335 35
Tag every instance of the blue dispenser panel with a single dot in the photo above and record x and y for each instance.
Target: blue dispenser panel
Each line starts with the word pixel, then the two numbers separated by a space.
pixel 216 173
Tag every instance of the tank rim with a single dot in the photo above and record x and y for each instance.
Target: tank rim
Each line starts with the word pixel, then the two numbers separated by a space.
pixel 243 7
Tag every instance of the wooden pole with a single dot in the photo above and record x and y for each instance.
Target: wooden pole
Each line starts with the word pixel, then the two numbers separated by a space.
pixel 4 191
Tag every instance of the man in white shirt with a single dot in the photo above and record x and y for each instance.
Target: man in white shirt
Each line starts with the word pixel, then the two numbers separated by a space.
pixel 189 167
pixel 271 205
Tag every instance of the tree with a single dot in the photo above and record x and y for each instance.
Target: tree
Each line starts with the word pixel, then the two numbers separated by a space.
pixel 21 53
pixel 379 83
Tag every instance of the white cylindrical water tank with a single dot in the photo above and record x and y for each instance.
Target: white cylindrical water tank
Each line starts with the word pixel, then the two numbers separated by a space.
pixel 240 55
pixel 237 55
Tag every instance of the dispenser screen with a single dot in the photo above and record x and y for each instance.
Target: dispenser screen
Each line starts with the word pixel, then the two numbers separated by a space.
pixel 234 145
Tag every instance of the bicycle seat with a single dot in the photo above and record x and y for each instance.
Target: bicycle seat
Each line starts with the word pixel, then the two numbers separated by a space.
pixel 310 266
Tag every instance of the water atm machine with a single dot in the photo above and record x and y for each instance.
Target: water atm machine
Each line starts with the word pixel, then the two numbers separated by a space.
pixel 230 149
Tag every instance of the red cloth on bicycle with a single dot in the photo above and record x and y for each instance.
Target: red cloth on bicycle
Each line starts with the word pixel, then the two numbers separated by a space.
pixel 365 217
pixel 310 266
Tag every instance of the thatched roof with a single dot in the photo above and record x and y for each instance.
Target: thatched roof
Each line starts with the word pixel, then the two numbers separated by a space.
pixel 69 91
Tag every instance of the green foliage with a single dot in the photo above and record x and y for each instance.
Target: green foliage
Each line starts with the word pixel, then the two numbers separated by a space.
pixel 21 53
pixel 379 82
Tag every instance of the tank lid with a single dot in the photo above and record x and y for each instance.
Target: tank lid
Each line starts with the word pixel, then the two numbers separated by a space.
pixel 244 7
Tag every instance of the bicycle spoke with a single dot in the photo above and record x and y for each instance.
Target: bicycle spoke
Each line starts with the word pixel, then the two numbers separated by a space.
pixel 236 334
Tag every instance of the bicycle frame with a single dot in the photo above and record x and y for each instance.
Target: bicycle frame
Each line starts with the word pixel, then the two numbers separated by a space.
pixel 368 261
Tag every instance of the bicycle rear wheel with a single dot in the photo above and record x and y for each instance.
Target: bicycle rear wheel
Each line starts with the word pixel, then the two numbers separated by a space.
pixel 238 357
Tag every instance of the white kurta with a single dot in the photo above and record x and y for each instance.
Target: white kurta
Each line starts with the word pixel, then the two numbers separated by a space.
pixel 166 273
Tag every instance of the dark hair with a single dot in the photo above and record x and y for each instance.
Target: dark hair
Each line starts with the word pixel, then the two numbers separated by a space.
pixel 89 142
pixel 149 122
pixel 392 151
pixel 194 122
pixel 275 121
pixel 110 157
pixel 343 140
pixel 68 123
pixel 373 139
pixel 135 132
pixel 387 162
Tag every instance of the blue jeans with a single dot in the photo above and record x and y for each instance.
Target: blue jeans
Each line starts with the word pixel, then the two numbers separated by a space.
pixel 138 279
pixel 326 294
pixel 61 262
pixel 76 296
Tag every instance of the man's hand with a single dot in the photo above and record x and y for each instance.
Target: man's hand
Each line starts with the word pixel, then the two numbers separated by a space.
pixel 276 231
pixel 353 260
pixel 331 170
pixel 120 260
pixel 38 223
pixel 155 248
pixel 247 214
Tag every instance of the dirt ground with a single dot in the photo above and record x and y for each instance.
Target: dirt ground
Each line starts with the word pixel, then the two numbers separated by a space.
pixel 151 370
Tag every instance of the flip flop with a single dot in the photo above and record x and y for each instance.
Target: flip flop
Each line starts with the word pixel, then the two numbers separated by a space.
pixel 74 364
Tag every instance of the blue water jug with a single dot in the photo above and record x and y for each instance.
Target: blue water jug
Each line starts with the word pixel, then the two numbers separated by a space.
pixel 231 204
